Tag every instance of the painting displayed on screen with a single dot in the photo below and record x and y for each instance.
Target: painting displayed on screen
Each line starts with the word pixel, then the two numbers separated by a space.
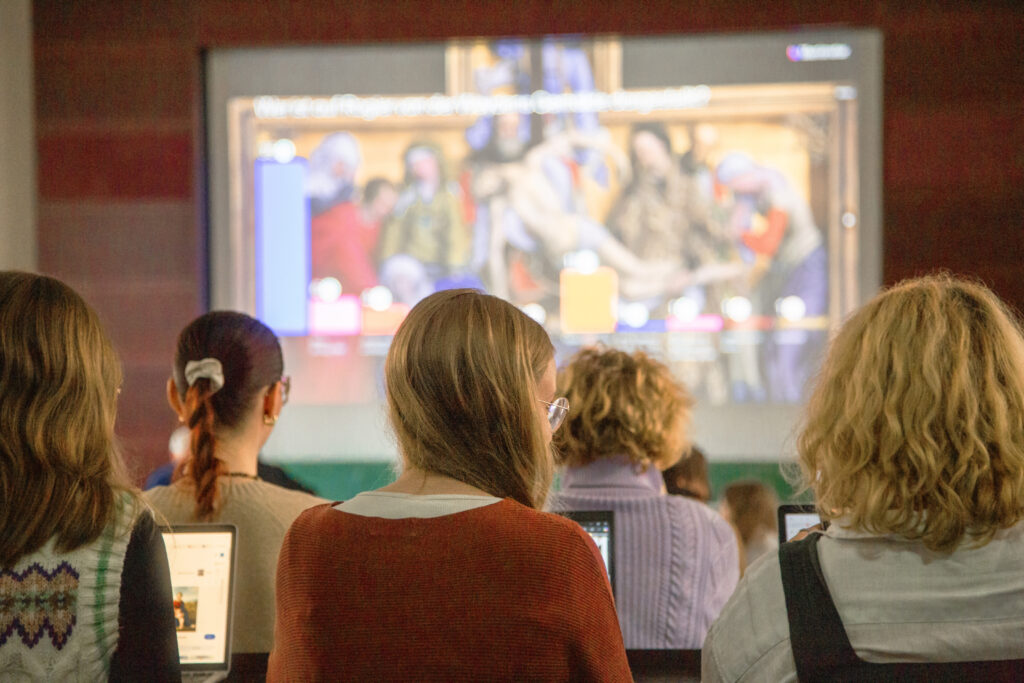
pixel 713 225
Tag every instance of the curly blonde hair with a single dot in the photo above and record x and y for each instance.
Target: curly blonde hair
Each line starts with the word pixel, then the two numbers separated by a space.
pixel 622 404
pixel 916 425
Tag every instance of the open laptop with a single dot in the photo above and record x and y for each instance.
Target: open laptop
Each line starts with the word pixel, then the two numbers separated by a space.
pixel 795 518
pixel 600 524
pixel 202 562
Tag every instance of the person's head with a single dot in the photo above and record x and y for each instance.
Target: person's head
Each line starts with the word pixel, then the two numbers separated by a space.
pixel 741 174
pixel 622 404
pixel 752 507
pixel 333 165
pixel 916 425
pixel 689 476
pixel 651 149
pixel 465 377
pixel 60 470
pixel 227 377
pixel 379 197
pixel 423 164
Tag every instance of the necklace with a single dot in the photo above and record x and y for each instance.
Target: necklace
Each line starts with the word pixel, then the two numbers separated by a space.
pixel 243 475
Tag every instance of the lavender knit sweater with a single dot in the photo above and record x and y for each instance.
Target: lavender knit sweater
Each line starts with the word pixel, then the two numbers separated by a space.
pixel 676 560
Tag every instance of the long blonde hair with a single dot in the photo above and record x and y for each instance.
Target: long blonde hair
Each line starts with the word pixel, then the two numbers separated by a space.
pixel 622 404
pixel 461 378
pixel 916 425
pixel 60 469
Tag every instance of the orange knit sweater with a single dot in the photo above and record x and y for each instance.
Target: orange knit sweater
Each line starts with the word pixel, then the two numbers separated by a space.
pixel 501 592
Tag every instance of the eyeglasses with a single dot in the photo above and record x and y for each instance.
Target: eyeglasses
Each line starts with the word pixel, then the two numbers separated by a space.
pixel 286 388
pixel 557 411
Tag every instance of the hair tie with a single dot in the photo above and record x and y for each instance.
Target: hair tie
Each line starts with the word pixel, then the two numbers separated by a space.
pixel 208 368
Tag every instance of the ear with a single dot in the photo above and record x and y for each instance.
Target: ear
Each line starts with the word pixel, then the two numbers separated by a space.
pixel 272 402
pixel 174 400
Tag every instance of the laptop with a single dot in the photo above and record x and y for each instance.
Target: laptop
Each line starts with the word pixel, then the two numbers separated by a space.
pixel 202 562
pixel 600 525
pixel 795 518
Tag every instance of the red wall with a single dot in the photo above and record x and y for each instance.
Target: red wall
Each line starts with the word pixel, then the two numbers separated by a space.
pixel 120 172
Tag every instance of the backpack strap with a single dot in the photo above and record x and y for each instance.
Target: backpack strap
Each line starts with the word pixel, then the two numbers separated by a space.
pixel 816 632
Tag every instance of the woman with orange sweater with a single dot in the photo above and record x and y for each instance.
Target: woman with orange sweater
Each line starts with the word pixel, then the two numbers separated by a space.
pixel 453 572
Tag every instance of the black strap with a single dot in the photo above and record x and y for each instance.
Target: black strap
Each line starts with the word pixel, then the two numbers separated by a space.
pixel 816 632
pixel 822 649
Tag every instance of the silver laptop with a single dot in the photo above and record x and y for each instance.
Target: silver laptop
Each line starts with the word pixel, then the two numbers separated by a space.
pixel 202 563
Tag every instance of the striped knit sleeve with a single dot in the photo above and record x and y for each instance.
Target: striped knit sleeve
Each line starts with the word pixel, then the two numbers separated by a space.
pixel 147 645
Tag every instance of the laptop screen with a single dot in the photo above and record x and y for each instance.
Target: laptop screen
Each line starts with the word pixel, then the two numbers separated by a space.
pixel 795 518
pixel 599 524
pixel 202 562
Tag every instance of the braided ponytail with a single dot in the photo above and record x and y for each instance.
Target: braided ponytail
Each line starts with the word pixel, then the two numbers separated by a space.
pixel 204 467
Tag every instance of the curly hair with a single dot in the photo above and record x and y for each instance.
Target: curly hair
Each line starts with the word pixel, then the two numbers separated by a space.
pixel 916 425
pixel 622 404
pixel 461 381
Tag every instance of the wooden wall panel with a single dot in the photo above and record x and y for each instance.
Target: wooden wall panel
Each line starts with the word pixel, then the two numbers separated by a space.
pixel 119 129
pixel 115 165
pixel 147 240
pixel 111 80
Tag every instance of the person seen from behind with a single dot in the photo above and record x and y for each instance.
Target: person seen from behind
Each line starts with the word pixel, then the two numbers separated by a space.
pixel 453 572
pixel 85 592
pixel 913 444
pixel 689 476
pixel 752 508
pixel 228 387
pixel 675 558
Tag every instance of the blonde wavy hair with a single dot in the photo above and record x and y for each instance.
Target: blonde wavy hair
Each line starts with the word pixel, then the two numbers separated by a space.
pixel 916 425
pixel 61 474
pixel 622 404
pixel 461 379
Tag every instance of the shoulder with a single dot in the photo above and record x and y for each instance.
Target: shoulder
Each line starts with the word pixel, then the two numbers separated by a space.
pixel 287 496
pixel 557 542
pixel 752 629
pixel 702 518
pixel 317 519
pixel 165 497
pixel 266 499
pixel 549 524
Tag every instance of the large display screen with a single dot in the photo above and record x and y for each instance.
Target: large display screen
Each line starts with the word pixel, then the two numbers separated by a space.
pixel 712 200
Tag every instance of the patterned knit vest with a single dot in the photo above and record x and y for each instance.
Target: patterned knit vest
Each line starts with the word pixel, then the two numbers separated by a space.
pixel 59 611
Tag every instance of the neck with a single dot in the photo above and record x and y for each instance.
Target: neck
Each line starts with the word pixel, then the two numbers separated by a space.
pixel 239 454
pixel 422 483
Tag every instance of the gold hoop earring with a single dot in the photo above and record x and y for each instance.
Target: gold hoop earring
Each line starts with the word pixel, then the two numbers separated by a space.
pixel 269 420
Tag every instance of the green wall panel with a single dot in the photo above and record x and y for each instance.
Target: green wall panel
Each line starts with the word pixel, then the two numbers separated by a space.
pixel 341 481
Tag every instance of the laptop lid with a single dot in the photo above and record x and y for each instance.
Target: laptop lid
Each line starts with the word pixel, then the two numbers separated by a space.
pixel 600 524
pixel 202 562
